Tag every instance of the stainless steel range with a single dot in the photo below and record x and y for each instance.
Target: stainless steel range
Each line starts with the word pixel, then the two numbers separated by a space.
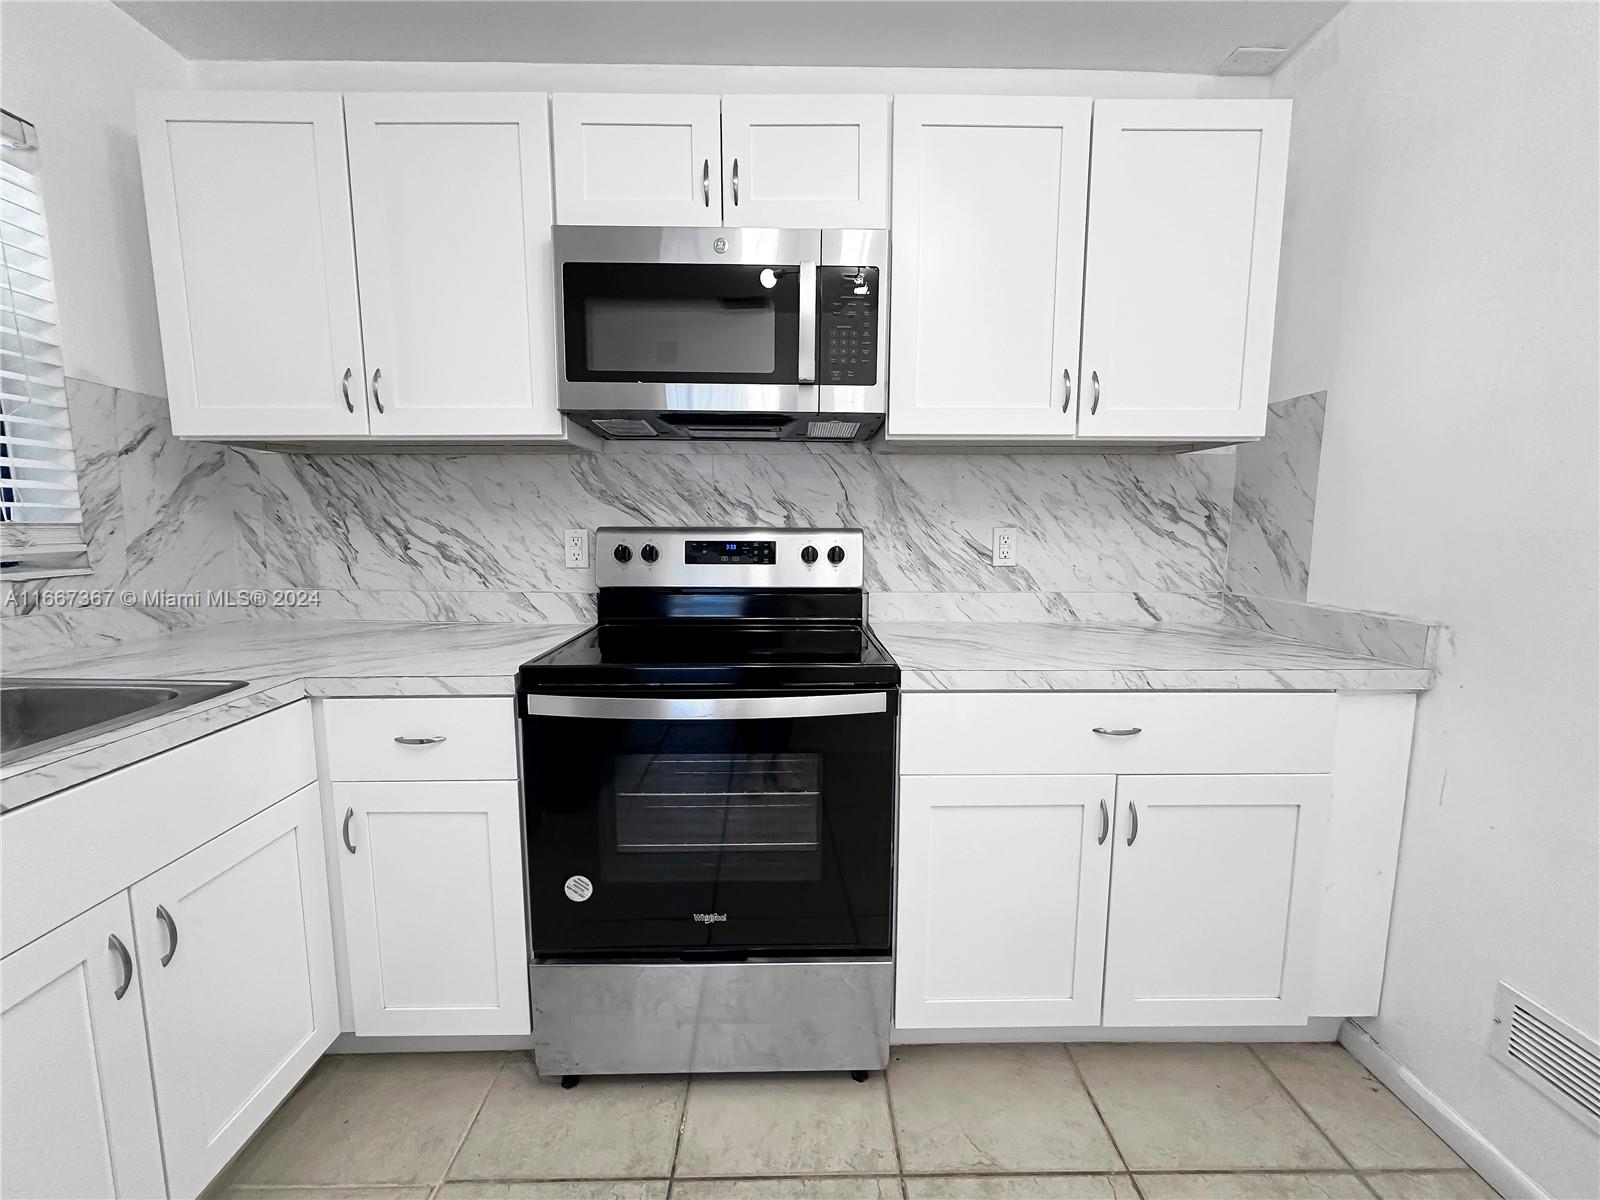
pixel 709 785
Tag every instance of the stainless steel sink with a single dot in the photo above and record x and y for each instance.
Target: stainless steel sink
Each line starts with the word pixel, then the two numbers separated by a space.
pixel 40 714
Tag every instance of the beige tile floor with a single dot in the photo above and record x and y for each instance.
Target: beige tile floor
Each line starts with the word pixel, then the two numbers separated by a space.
pixel 1034 1122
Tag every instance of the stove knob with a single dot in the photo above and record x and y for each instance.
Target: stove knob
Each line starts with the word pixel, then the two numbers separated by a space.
pixel 649 553
pixel 622 554
pixel 836 555
pixel 808 555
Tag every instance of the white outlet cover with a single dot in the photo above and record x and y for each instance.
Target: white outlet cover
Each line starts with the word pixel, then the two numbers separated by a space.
pixel 1004 547
pixel 576 545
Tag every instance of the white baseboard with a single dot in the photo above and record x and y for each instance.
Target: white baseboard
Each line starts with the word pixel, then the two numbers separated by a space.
pixel 1317 1029
pixel 1480 1154
pixel 349 1043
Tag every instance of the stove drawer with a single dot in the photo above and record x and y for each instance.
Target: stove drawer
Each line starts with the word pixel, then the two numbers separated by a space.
pixel 1048 733
pixel 423 737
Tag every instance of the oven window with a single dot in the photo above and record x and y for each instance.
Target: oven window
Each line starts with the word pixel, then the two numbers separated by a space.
pixel 695 337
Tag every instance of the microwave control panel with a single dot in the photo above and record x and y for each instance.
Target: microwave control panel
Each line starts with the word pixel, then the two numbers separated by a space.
pixel 847 319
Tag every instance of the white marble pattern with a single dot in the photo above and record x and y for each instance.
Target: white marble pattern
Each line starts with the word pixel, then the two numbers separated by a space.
pixel 1274 502
pixel 1191 607
pixel 1059 656
pixel 1381 635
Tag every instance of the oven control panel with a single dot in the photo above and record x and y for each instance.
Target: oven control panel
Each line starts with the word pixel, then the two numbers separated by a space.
pixel 731 558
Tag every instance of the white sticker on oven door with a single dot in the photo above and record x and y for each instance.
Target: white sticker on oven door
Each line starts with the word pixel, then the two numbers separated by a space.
pixel 579 888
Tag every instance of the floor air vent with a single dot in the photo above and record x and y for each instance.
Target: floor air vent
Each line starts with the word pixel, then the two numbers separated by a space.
pixel 1550 1054
pixel 833 431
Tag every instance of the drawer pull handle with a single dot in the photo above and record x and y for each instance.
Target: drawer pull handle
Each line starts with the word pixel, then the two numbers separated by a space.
pixel 1133 822
pixel 422 741
pixel 172 933
pixel 344 830
pixel 1105 824
pixel 115 943
pixel 1128 732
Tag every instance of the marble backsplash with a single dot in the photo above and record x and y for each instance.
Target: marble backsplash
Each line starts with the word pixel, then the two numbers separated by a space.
pixel 1275 502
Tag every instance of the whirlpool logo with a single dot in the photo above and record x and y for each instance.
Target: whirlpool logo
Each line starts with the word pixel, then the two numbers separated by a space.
pixel 711 918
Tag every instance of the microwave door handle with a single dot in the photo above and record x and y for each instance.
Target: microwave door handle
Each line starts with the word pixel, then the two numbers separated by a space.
pixel 808 323
pixel 697 708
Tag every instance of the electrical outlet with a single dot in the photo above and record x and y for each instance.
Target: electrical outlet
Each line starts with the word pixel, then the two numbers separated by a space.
pixel 577 544
pixel 1005 547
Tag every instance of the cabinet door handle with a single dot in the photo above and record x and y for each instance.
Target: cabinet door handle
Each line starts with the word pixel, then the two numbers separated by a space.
pixel 344 386
pixel 127 964
pixel 165 918
pixel 736 183
pixel 1066 400
pixel 1133 822
pixel 705 181
pixel 1105 824
pixel 344 830
pixel 422 741
pixel 377 374
pixel 1128 732
pixel 1094 404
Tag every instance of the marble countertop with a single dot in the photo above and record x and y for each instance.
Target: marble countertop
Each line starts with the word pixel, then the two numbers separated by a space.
pixel 285 661
pixel 983 656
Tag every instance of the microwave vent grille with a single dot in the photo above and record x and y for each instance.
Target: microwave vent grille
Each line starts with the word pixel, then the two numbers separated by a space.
pixel 833 430
pixel 624 427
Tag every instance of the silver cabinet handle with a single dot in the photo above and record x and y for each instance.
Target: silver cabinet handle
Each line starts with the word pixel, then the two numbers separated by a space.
pixel 1133 822
pixel 736 183
pixel 1128 732
pixel 1094 404
pixel 344 830
pixel 344 387
pixel 808 323
pixel 1105 824
pixel 422 741
pixel 1066 400
pixel 127 964
pixel 165 918
pixel 377 399
pixel 705 181
pixel 732 708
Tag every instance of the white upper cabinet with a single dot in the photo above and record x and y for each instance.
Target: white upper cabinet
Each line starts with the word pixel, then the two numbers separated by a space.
pixel 805 161
pixel 637 159
pixel 77 1113
pixel 1185 220
pixel 988 215
pixel 249 208
pixel 1214 900
pixel 452 226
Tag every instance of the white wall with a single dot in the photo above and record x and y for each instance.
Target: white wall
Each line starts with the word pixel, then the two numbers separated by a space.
pixel 1440 281
pixel 72 67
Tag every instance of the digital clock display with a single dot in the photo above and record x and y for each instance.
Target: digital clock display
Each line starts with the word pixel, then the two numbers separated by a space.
pixel 733 553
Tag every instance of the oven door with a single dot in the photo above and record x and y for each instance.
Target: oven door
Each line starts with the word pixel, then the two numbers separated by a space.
pixel 721 828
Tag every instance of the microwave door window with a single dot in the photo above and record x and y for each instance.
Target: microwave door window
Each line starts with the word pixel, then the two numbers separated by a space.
pixel 641 336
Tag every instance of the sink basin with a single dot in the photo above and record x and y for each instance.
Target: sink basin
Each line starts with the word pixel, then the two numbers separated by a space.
pixel 40 714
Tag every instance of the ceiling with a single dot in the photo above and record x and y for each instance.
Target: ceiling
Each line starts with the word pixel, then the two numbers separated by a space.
pixel 1145 35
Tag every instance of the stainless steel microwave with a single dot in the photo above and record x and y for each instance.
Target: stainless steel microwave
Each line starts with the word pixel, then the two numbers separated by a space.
pixel 723 333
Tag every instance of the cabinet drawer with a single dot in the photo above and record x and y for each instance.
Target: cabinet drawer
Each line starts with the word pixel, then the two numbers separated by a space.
pixel 423 738
pixel 1043 733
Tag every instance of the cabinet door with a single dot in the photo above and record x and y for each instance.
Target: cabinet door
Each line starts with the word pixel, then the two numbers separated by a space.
pixel 806 161
pixel 1181 285
pixel 637 159
pixel 1001 916
pixel 248 200
pixel 452 216
pixel 236 954
pixel 433 906
pixel 988 218
pixel 1214 899
pixel 77 1114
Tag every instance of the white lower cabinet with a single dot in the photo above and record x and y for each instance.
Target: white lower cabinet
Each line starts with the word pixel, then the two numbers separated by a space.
pixel 236 957
pixel 1214 899
pixel 77 1113
pixel 1002 900
pixel 431 874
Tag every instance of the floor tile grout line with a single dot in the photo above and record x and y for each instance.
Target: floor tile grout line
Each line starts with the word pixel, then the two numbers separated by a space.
pixel 1083 1082
pixel 894 1126
pixel 1315 1124
pixel 677 1142
pixel 467 1132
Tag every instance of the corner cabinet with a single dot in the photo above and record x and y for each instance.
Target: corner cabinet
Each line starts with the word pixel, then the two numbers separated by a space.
pixel 261 205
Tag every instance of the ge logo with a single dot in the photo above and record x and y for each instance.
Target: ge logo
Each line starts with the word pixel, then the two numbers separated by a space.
pixel 720 245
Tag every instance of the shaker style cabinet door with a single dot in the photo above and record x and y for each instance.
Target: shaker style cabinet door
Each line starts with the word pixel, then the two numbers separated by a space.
pixel 77 1113
pixel 637 159
pixel 1001 917
pixel 805 161
pixel 248 201
pixel 236 955
pixel 1214 899
pixel 452 226
pixel 1181 285
pixel 988 211
pixel 433 906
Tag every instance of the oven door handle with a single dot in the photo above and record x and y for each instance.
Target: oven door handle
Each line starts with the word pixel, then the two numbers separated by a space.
pixel 706 708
